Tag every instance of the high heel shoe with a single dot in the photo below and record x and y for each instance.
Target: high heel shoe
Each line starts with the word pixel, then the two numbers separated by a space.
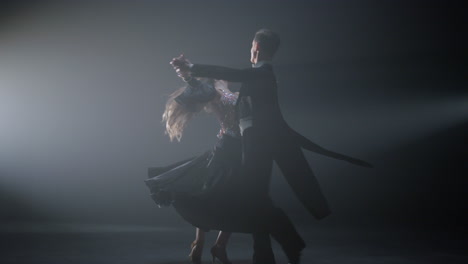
pixel 196 252
pixel 220 253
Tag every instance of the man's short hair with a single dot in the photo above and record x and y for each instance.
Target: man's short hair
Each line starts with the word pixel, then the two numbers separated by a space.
pixel 268 41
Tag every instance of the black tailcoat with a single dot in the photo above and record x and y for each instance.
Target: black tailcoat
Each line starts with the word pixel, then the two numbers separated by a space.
pixel 258 99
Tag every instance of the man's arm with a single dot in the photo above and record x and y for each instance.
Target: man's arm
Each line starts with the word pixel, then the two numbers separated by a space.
pixel 185 67
pixel 225 73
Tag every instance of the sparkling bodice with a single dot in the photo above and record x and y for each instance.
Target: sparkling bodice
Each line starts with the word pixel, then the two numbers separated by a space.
pixel 224 109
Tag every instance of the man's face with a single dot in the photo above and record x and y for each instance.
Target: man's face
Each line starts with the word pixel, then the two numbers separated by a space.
pixel 254 52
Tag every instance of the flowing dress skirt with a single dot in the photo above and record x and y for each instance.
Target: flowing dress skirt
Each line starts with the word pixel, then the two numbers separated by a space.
pixel 206 190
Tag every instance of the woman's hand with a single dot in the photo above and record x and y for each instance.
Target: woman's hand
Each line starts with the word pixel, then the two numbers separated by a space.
pixel 182 66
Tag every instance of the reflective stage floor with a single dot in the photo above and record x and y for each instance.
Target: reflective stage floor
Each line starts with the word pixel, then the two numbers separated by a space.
pixel 93 244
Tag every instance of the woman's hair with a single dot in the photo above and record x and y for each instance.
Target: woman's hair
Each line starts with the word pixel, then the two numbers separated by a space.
pixel 176 116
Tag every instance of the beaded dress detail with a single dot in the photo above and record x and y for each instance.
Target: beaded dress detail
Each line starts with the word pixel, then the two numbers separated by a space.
pixel 224 109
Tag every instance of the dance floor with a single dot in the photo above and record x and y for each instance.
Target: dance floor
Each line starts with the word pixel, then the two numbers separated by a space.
pixel 93 244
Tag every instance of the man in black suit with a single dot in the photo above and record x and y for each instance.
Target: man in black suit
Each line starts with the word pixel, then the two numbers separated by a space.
pixel 266 137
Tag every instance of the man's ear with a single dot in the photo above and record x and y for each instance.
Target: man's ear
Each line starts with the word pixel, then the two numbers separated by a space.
pixel 256 47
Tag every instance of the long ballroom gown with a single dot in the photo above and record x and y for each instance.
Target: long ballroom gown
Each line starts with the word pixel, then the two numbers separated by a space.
pixel 204 189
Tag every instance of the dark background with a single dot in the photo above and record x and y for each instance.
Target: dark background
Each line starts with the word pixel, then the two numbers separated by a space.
pixel 83 85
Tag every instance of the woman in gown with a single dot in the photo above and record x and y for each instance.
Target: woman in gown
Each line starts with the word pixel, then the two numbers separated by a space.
pixel 199 188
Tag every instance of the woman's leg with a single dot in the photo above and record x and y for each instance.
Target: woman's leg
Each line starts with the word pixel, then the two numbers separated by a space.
pixel 197 247
pixel 223 238
pixel 199 236
pixel 219 249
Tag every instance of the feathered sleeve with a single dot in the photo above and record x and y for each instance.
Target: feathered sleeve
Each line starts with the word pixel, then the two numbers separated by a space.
pixel 196 92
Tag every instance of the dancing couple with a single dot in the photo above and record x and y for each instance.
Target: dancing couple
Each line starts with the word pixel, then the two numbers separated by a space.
pixel 227 188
